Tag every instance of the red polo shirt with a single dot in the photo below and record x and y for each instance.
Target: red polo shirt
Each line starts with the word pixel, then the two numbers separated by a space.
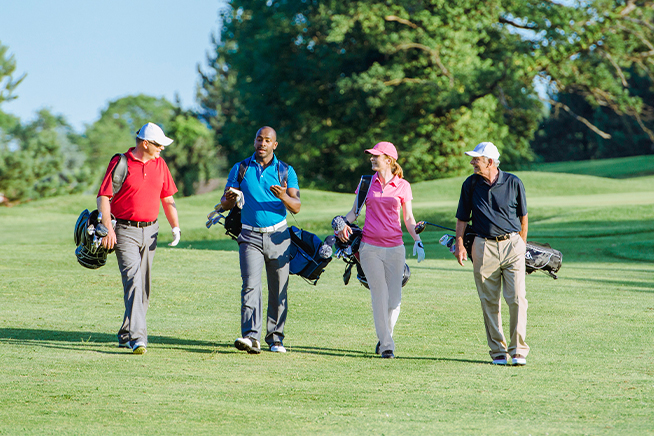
pixel 146 183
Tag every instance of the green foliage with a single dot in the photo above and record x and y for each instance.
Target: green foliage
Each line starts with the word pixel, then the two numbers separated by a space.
pixel 559 138
pixel 192 158
pixel 433 77
pixel 7 68
pixel 40 159
pixel 602 73
pixel 116 129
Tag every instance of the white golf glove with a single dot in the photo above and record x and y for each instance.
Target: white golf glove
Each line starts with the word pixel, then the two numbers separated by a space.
pixel 177 234
pixel 419 250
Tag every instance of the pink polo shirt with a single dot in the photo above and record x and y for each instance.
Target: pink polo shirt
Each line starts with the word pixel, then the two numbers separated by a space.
pixel 382 227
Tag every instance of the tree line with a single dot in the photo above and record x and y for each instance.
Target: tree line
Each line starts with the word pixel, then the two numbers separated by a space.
pixel 545 80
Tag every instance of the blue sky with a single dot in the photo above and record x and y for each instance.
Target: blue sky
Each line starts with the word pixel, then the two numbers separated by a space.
pixel 81 54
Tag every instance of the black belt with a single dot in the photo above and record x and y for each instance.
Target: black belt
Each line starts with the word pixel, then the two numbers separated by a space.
pixel 501 237
pixel 138 224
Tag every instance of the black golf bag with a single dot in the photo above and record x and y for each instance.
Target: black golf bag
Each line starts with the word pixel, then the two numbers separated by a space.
pixel 349 252
pixel 231 222
pixel 88 235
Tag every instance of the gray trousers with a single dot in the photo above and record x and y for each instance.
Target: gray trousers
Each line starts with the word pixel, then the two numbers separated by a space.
pixel 135 251
pixel 256 250
pixel 384 270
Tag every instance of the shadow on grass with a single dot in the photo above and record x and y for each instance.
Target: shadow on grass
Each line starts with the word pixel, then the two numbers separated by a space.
pixel 214 245
pixel 74 339
pixel 623 285
pixel 92 341
pixel 339 352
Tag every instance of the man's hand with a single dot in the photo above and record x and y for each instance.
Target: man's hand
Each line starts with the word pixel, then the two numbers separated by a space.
pixel 109 241
pixel 228 201
pixel 460 251
pixel 290 197
pixel 177 234
pixel 279 191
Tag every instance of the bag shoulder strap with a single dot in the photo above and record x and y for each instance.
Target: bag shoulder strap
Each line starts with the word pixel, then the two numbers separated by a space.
pixel 119 173
pixel 364 187
pixel 242 169
pixel 282 171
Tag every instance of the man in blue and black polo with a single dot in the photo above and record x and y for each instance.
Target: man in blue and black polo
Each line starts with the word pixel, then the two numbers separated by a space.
pixel 497 204
pixel 264 239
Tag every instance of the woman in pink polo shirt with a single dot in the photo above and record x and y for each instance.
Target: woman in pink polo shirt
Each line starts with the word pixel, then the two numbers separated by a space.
pixel 382 252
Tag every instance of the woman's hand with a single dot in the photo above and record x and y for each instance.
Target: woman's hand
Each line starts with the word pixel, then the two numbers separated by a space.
pixel 344 233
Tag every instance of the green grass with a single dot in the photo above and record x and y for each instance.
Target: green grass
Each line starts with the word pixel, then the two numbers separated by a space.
pixel 618 168
pixel 590 370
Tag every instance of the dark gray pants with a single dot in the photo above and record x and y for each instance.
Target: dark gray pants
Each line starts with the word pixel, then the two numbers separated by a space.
pixel 256 250
pixel 135 251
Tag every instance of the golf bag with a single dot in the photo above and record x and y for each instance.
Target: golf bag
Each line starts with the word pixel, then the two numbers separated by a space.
pixel 309 255
pixel 542 257
pixel 349 252
pixel 88 235
pixel 89 231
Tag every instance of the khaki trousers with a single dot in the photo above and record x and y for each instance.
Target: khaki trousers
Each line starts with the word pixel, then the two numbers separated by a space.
pixel 500 266
pixel 384 270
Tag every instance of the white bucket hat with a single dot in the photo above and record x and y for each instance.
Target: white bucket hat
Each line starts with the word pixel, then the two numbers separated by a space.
pixel 153 133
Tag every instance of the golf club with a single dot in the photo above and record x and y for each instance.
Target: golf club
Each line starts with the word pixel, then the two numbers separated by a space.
pixel 421 225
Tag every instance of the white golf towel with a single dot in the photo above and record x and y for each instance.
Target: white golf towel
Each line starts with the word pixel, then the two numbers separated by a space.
pixel 240 200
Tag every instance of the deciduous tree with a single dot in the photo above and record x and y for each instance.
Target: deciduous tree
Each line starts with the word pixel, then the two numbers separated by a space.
pixel 435 77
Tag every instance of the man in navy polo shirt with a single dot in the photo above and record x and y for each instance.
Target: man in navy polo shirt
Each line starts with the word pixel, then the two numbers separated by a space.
pixel 497 204
pixel 264 240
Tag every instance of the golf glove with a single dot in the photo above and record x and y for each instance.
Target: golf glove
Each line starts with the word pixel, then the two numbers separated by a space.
pixel 177 234
pixel 419 250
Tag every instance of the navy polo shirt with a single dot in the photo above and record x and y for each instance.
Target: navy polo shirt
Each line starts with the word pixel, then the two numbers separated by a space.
pixel 262 208
pixel 495 210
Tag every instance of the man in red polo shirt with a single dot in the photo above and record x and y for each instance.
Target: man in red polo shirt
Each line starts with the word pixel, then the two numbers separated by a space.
pixel 136 207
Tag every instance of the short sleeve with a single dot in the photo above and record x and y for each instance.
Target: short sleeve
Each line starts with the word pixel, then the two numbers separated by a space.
pixel 232 178
pixel 168 187
pixel 407 194
pixel 292 181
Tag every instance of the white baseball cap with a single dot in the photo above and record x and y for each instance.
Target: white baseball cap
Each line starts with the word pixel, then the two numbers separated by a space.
pixel 486 149
pixel 153 133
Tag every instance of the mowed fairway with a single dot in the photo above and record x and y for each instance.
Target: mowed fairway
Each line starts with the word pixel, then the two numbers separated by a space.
pixel 590 369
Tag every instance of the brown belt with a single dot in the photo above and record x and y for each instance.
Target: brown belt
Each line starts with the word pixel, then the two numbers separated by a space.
pixel 139 224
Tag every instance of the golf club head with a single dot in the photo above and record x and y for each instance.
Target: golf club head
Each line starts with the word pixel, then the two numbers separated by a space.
pixel 420 226
pixel 101 230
